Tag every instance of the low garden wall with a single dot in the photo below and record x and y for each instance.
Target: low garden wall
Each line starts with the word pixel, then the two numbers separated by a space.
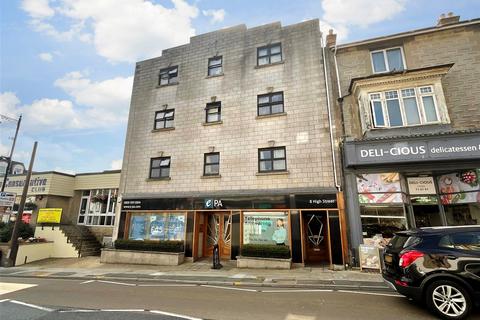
pixel 263 263
pixel 142 257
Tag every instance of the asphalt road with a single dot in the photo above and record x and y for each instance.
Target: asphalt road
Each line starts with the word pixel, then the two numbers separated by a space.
pixel 75 299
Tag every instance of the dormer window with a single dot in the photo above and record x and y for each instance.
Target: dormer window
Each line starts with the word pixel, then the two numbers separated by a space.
pixel 403 107
pixel 388 60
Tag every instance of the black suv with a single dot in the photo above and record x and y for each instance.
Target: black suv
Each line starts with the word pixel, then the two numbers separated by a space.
pixel 439 266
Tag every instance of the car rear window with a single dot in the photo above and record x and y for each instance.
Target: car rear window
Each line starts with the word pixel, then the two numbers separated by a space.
pixel 403 241
pixel 469 241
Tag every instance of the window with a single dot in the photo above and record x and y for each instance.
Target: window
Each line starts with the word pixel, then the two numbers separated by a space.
pixel 97 207
pixel 272 159
pixel 211 164
pixel 164 119
pixel 404 107
pixel 157 226
pixel 168 75
pixel 271 103
pixel 213 112
pixel 387 60
pixel 215 67
pixel 381 220
pixel 469 241
pixel 160 167
pixel 266 228
pixel 269 54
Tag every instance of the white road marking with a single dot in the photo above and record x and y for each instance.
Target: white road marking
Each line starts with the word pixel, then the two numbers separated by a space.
pixel 291 316
pixel 122 310
pixel 4 300
pixel 228 288
pixel 297 290
pixel 168 285
pixel 174 315
pixel 7 287
pixel 88 281
pixel 157 274
pixel 372 293
pixel 31 305
pixel 119 283
pixel 77 310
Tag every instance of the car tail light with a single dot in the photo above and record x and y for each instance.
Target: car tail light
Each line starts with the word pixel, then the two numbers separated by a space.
pixel 409 257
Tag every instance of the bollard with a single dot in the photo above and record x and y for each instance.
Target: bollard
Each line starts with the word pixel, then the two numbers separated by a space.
pixel 216 257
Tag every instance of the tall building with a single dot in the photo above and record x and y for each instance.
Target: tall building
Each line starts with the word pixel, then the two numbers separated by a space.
pixel 411 132
pixel 228 142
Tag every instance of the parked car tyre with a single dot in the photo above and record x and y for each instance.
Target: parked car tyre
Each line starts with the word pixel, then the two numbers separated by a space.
pixel 448 299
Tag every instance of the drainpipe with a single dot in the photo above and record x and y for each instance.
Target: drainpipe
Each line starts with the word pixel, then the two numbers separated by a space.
pixel 332 141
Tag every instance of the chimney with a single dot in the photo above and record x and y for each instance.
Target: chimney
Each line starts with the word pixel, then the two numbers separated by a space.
pixel 447 19
pixel 331 39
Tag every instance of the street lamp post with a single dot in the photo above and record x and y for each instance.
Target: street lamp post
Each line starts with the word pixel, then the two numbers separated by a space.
pixel 9 162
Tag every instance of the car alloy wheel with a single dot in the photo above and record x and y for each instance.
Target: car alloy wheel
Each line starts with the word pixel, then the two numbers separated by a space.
pixel 449 301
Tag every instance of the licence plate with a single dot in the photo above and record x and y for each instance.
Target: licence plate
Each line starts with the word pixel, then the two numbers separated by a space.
pixel 388 259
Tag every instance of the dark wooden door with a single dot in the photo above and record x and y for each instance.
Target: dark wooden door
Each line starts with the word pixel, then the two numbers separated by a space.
pixel 218 230
pixel 316 242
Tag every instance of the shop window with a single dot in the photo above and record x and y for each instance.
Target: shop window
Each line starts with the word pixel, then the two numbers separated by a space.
pixel 380 188
pixel 462 214
pixel 269 54
pixel 272 159
pixel 379 223
pixel 266 228
pixel 387 60
pixel 215 66
pixel 97 207
pixel 404 107
pixel 213 112
pixel 270 103
pixel 211 164
pixel 168 76
pixel 160 167
pixel 158 226
pixel 164 119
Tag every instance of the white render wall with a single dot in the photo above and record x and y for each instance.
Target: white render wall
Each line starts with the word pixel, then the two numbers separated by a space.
pixel 303 130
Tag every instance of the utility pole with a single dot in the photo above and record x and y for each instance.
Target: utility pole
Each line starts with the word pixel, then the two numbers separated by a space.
pixel 13 247
pixel 9 163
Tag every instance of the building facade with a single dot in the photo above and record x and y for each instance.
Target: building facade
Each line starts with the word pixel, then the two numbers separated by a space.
pixel 411 134
pixel 86 199
pixel 228 142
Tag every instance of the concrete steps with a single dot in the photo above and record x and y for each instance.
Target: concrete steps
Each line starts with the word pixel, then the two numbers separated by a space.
pixel 82 239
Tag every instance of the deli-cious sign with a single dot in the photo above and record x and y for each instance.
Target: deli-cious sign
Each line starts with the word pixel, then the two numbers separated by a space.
pixel 398 151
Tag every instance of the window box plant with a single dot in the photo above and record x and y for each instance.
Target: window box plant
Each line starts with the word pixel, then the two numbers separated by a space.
pixel 262 256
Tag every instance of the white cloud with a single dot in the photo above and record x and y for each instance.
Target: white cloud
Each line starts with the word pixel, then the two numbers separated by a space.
pixel 116 164
pixel 126 30
pixel 216 15
pixel 98 105
pixel 45 56
pixel 38 9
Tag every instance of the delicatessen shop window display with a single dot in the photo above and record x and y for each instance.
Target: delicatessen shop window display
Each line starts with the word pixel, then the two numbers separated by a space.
pixel 157 226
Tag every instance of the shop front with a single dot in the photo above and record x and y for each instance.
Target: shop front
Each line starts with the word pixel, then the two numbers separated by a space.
pixel 396 184
pixel 309 224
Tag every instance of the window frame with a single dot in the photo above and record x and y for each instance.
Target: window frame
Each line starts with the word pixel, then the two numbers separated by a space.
pixel 272 159
pixel 164 119
pixel 167 71
pixel 92 216
pixel 160 167
pixel 269 54
pixel 387 66
pixel 419 101
pixel 213 105
pixel 270 103
pixel 205 164
pixel 210 67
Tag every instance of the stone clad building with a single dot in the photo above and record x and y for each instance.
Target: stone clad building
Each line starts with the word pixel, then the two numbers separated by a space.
pixel 228 141
pixel 411 133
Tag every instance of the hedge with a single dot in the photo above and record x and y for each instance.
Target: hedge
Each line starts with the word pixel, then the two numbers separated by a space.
pixel 265 251
pixel 149 245
pixel 25 231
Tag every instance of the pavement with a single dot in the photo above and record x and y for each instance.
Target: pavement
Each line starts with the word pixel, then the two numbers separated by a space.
pixel 90 268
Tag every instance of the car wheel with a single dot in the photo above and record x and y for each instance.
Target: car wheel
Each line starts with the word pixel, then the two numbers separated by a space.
pixel 448 299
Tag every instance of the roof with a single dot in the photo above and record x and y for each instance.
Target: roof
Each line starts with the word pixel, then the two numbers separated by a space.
pixel 395 73
pixel 408 33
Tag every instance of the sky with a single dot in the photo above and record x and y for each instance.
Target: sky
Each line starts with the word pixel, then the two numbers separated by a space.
pixel 67 65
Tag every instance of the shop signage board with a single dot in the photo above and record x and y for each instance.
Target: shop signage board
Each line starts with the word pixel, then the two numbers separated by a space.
pixel 7 199
pixel 213 204
pixel 312 201
pixel 49 215
pixel 421 185
pixel 444 148
pixel 369 257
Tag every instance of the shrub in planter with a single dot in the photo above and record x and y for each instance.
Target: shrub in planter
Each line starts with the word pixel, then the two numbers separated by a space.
pixel 265 251
pixel 25 231
pixel 149 245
